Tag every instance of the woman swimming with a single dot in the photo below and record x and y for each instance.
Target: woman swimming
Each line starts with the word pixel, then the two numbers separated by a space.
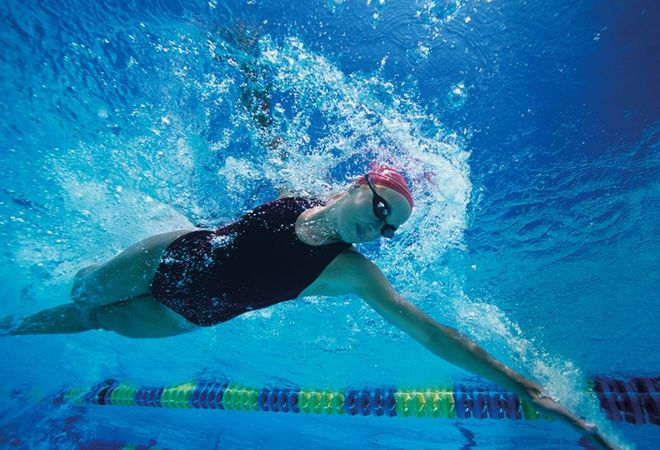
pixel 293 247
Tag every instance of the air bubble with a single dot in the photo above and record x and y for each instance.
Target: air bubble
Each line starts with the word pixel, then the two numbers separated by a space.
pixel 456 96
pixel 419 54
pixel 336 6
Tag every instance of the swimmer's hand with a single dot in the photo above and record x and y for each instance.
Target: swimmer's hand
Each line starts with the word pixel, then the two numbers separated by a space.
pixel 548 407
pixel 365 279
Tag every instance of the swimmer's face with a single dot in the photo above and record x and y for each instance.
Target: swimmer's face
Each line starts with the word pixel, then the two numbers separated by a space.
pixel 356 220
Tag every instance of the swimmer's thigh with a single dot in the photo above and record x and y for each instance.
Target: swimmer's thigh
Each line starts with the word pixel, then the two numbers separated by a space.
pixel 127 275
pixel 142 317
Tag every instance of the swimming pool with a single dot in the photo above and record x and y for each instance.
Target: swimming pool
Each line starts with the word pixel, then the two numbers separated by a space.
pixel 529 132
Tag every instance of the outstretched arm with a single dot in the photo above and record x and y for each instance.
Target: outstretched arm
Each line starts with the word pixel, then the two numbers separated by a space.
pixel 371 285
pixel 238 46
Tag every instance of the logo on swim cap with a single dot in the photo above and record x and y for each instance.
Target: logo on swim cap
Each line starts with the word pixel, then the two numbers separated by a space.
pixel 390 178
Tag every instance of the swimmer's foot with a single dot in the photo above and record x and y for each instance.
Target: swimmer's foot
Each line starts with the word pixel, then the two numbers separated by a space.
pixel 8 324
pixel 67 318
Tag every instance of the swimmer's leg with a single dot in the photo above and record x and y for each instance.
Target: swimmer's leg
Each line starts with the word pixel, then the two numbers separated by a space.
pixel 125 276
pixel 67 318
pixel 142 317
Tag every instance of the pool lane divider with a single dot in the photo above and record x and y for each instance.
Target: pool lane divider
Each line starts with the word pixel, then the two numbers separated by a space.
pixel 635 401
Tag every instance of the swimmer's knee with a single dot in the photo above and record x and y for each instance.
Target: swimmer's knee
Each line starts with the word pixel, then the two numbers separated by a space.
pixel 118 317
pixel 80 284
pixel 93 319
pixel 84 271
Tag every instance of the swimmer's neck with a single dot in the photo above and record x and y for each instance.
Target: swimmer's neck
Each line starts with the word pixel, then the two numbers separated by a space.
pixel 318 226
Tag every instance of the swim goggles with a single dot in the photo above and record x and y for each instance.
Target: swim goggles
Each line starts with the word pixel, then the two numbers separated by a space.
pixel 382 210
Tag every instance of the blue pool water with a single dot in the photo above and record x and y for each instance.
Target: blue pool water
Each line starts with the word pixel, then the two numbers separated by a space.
pixel 529 131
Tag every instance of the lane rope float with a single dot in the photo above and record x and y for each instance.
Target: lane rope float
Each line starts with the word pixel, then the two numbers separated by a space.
pixel 635 401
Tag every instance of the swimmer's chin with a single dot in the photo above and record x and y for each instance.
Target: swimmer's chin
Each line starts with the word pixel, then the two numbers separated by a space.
pixel 356 237
pixel 360 235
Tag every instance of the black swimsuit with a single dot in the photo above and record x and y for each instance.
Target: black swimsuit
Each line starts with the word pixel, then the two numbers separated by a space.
pixel 210 277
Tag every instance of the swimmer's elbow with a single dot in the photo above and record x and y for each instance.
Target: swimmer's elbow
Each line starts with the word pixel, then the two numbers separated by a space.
pixel 370 284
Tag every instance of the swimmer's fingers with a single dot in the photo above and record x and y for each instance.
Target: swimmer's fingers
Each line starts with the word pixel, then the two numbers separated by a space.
pixel 238 47
pixel 244 36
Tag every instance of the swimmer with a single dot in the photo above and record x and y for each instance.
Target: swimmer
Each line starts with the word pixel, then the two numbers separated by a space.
pixel 289 248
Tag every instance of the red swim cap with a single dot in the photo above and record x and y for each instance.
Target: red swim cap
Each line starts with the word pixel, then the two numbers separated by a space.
pixel 388 177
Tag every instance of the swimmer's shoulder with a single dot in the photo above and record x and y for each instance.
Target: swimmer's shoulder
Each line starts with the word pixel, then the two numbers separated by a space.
pixel 350 272
pixel 358 271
